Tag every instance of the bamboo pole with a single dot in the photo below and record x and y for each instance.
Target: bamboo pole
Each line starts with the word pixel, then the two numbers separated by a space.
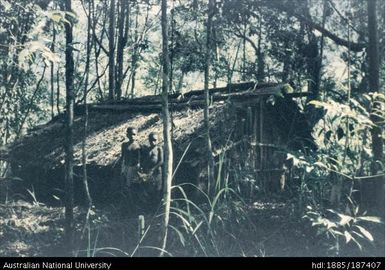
pixel 261 152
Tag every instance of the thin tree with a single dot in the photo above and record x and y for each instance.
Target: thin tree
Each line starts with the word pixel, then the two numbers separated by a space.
pixel 111 52
pixel 52 72
pixel 376 186
pixel 313 59
pixel 58 89
pixel 209 154
pixel 85 92
pixel 172 49
pixel 260 55
pixel 168 152
pixel 134 56
pixel 244 69
pixel 98 49
pixel 69 77
pixel 137 48
pixel 121 44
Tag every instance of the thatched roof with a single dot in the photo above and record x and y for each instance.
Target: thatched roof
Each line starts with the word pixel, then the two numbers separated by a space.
pixel 43 146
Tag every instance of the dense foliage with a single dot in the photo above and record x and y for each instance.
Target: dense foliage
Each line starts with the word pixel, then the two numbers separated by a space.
pixel 320 46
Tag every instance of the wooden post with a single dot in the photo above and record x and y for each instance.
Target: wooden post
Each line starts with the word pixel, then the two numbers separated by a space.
pixel 261 152
pixel 249 131
pixel 249 121
pixel 255 127
pixel 254 146
pixel 141 224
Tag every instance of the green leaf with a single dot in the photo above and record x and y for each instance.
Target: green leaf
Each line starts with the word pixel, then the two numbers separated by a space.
pixel 288 89
pixel 371 219
pixel 56 17
pixel 329 224
pixel 344 219
pixel 358 234
pixel 71 14
pixel 335 232
pixel 6 5
pixel 348 236
pixel 366 233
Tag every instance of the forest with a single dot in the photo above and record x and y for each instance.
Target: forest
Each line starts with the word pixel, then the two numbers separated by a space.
pixel 192 128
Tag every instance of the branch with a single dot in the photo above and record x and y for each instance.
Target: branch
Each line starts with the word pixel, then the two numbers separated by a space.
pixel 93 84
pixel 31 103
pixel 240 35
pixel 332 4
pixel 353 46
pixel 94 31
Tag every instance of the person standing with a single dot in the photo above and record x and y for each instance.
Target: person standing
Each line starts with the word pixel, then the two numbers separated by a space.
pixel 130 158
pixel 152 165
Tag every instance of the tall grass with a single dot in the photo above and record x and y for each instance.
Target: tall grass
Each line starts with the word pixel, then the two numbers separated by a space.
pixel 205 223
pixel 211 227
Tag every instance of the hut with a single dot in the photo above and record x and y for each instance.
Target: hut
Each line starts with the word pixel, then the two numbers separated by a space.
pixel 250 125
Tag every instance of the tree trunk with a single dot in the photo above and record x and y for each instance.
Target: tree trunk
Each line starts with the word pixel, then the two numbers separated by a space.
pixel 260 56
pixel 210 167
pixel 168 152
pixel 321 54
pixel 216 54
pixel 111 54
pixel 134 57
pixel 97 50
pixel 52 72
pixel 312 58
pixel 85 91
pixel 180 83
pixel 69 75
pixel 120 49
pixel 375 188
pixel 172 47
pixel 133 73
pixel 58 89
pixel 244 67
